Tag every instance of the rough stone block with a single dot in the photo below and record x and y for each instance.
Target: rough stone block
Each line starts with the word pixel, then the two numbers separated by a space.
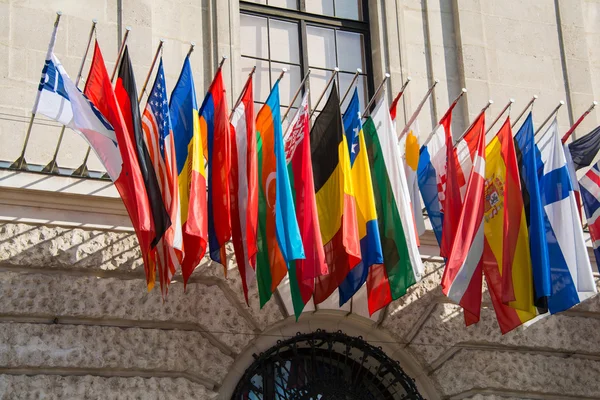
pixel 31 29
pixel 49 387
pixel 90 297
pixel 519 371
pixel 95 347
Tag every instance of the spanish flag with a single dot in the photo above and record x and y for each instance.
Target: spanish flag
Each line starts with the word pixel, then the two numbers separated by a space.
pixel 190 167
pixel 506 258
pixel 336 205
pixel 278 237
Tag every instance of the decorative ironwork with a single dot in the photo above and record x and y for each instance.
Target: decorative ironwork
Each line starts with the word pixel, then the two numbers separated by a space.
pixel 325 365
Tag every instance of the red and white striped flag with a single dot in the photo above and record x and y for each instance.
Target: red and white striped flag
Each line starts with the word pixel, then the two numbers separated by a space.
pixel 462 277
pixel 158 136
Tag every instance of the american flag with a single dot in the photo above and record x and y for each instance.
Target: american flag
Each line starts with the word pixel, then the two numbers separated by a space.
pixel 589 184
pixel 158 135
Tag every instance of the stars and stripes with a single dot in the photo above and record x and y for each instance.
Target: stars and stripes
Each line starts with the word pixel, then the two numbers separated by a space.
pixel 156 124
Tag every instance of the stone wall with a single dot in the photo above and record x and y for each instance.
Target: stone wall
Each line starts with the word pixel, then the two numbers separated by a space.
pixel 76 320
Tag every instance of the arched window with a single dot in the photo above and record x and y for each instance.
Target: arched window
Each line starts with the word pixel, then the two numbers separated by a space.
pixel 323 365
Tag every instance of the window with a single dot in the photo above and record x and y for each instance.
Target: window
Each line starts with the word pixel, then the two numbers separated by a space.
pixel 302 34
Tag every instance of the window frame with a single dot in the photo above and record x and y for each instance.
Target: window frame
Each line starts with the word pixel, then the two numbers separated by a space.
pixel 303 19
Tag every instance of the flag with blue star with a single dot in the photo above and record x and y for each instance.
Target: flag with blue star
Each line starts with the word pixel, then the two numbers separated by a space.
pixel 366 214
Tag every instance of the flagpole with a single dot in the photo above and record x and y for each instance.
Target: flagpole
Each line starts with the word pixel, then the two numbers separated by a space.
pixel 295 95
pixel 462 92
pixel 160 45
pixel 530 104
pixel 483 110
pixel 354 78
pixel 418 110
pixel 120 53
pixel 283 71
pixel 506 107
pixel 560 104
pixel 52 166
pixel 82 170
pixel 20 162
pixel 239 99
pixel 576 124
pixel 366 112
pixel 336 70
pixel 402 89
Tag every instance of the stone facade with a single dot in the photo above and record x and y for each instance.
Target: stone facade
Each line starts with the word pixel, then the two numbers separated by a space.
pixel 75 318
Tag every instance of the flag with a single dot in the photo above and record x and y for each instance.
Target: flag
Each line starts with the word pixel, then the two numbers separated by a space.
pixel 279 240
pixel 401 258
pixel 366 214
pixel 506 258
pixel 214 128
pixel 528 158
pixel 298 158
pixel 158 137
pixel 336 205
pixel 459 162
pixel 462 278
pixel 243 184
pixel 590 193
pixel 572 279
pixel 129 182
pixel 126 94
pixel 431 173
pixel 580 153
pixel 409 151
pixel 189 152
pixel 59 99
pixel 584 150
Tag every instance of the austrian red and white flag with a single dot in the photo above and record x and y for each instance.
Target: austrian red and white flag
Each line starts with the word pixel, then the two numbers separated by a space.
pixel 462 277
pixel 243 186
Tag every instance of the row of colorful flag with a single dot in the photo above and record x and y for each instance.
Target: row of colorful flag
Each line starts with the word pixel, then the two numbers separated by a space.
pixel 338 205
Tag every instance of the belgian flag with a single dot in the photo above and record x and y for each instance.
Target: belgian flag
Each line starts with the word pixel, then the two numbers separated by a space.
pixel 336 205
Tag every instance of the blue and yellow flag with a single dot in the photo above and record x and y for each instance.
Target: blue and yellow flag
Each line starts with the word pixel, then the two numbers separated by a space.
pixel 366 214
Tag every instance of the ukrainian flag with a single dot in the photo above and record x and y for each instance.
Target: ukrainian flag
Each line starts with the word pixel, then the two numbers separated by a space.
pixel 366 214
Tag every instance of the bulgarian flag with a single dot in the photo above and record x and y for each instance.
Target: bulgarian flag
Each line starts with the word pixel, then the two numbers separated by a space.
pixel 278 236
pixel 299 161
pixel 402 266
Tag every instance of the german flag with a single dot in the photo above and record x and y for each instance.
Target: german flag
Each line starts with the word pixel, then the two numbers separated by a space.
pixel 336 205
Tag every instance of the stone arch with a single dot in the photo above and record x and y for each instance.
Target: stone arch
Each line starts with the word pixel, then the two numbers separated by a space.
pixel 329 320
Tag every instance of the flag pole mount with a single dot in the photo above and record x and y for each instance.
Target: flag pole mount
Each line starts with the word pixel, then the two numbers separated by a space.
pixel 576 124
pixel 461 94
pixel 120 53
pixel 239 99
pixel 336 70
pixel 20 163
pixel 483 110
pixel 52 166
pixel 506 107
pixel 223 59
pixel 560 104
pixel 366 112
pixel 295 94
pixel 351 85
pixel 417 111
pixel 158 49
pixel 530 104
